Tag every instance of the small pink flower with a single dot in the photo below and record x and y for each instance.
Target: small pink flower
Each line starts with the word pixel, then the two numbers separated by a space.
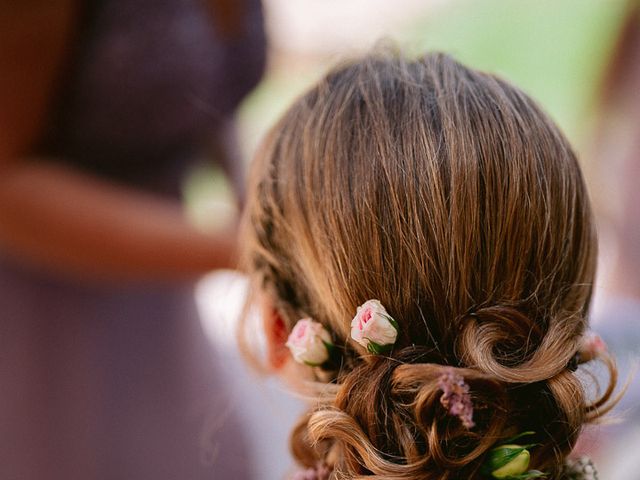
pixel 373 327
pixel 591 346
pixel 320 472
pixel 309 342
pixel 455 397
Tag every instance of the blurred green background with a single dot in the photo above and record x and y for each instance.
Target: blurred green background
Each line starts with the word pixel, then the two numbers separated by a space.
pixel 553 49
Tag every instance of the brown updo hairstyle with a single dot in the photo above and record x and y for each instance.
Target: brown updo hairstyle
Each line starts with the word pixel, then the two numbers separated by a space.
pixel 447 194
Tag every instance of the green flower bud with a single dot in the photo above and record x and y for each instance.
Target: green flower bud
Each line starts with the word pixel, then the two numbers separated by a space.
pixel 509 461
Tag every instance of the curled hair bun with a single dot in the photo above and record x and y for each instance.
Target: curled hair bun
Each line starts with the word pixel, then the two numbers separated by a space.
pixel 384 417
pixel 390 409
pixel 506 343
pixel 386 420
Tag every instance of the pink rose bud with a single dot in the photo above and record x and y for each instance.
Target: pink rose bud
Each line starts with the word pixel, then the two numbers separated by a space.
pixel 309 343
pixel 374 328
pixel 591 346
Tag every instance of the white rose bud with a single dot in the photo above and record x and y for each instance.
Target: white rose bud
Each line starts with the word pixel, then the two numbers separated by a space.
pixel 374 328
pixel 309 343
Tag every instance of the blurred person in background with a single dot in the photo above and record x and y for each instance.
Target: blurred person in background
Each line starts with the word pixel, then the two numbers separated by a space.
pixel 617 150
pixel 616 158
pixel 104 370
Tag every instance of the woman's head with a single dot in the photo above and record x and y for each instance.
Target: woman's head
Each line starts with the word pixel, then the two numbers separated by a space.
pixel 449 196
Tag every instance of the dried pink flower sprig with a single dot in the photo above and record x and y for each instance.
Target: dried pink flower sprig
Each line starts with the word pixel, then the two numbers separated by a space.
pixel 455 397
pixel 320 472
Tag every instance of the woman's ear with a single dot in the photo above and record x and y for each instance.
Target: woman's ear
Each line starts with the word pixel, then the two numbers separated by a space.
pixel 276 334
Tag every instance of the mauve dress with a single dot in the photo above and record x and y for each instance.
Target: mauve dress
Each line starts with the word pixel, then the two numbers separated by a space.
pixel 104 381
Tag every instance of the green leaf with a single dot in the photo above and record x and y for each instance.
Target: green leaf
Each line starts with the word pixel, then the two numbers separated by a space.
pixel 520 435
pixel 329 346
pixel 377 349
pixel 393 323
pixel 501 456
pixel 528 475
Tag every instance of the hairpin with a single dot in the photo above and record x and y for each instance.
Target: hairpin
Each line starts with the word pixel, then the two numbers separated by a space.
pixel 310 343
pixel 455 397
pixel 510 461
pixel 374 328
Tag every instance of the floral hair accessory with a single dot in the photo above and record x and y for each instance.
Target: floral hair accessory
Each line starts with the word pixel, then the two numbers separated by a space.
pixel 320 472
pixel 310 343
pixel 591 346
pixel 510 461
pixel 455 397
pixel 374 328
pixel 580 469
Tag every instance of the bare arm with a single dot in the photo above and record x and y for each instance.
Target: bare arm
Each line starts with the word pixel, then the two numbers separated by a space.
pixel 59 218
